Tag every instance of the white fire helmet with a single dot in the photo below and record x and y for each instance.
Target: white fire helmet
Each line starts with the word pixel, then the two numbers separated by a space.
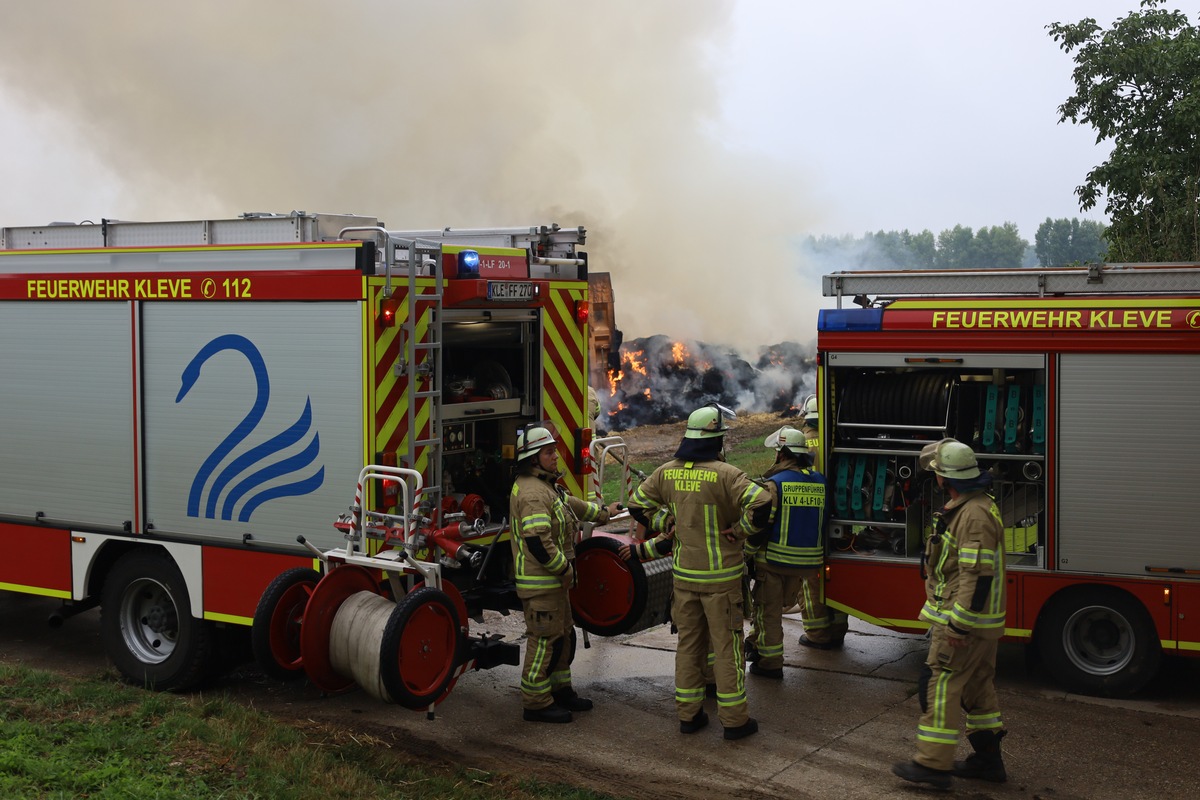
pixel 810 408
pixel 530 441
pixel 707 422
pixel 950 458
pixel 787 438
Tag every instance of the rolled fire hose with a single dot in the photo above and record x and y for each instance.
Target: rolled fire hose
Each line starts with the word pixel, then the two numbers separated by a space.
pixel 356 639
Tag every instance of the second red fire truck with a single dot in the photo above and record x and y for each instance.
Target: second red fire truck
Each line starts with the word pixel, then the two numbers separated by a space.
pixel 1077 388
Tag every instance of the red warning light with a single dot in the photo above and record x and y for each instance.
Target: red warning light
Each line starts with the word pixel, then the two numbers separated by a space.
pixel 387 311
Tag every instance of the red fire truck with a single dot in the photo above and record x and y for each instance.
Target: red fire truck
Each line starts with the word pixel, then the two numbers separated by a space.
pixel 186 407
pixel 1077 388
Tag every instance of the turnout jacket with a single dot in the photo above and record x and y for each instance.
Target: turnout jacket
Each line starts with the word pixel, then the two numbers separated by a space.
pixel 794 538
pixel 544 521
pixel 964 563
pixel 705 498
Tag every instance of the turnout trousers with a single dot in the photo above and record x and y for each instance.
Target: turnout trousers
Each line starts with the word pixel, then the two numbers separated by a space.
pixel 710 620
pixel 821 623
pixel 955 681
pixel 549 648
pixel 766 634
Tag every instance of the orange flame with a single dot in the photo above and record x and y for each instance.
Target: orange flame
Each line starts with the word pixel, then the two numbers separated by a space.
pixel 637 361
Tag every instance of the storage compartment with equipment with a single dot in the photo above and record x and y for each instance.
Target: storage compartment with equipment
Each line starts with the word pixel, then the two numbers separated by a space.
pixel 886 407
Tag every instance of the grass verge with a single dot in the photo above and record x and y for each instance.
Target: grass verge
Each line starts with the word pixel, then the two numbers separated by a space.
pixel 750 456
pixel 64 737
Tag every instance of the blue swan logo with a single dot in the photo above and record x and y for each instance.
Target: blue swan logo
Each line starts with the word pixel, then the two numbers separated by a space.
pixel 256 455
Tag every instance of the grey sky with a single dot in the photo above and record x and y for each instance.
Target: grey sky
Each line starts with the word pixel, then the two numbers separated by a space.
pixel 692 138
pixel 916 115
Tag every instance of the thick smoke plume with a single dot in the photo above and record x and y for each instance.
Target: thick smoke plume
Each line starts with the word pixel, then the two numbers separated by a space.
pixel 661 380
pixel 431 113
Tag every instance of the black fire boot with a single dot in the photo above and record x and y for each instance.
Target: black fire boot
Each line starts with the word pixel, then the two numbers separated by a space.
pixel 551 713
pixel 767 672
pixel 919 773
pixel 694 724
pixel 748 728
pixel 986 763
pixel 807 642
pixel 571 701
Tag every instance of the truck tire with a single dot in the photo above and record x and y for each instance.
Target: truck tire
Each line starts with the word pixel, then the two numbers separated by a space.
pixel 275 635
pixel 1098 640
pixel 147 626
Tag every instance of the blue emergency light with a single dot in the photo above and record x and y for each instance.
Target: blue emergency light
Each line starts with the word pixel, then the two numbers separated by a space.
pixel 468 264
pixel 850 319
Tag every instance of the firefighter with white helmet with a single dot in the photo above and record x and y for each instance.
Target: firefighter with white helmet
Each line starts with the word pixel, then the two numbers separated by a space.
pixel 789 553
pixel 544 521
pixel 716 506
pixel 964 607
pixel 809 427
pixel 789 561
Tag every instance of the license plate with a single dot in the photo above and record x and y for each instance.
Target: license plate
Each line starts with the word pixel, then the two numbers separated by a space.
pixel 509 290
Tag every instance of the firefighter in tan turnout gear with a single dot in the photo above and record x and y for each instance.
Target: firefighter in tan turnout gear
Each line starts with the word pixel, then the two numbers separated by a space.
pixel 789 550
pixel 716 506
pixel 964 589
pixel 544 520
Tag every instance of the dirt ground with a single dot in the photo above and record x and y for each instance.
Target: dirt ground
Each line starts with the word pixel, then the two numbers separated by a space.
pixel 656 443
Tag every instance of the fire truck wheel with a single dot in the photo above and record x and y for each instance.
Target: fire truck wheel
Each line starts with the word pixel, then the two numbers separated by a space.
pixel 610 593
pixel 147 627
pixel 1098 640
pixel 275 636
pixel 419 653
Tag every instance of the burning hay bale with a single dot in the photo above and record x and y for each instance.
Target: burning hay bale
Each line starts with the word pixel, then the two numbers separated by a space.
pixel 661 380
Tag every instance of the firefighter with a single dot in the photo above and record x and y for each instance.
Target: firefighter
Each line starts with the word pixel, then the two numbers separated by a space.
pixel 545 520
pixel 812 438
pixel 964 606
pixel 661 545
pixel 824 628
pixel 593 405
pixel 716 506
pixel 791 548
pixel 810 427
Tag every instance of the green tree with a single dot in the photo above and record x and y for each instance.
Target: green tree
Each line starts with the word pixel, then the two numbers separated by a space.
pixel 999 246
pixel 922 246
pixel 956 249
pixel 1059 242
pixel 1138 85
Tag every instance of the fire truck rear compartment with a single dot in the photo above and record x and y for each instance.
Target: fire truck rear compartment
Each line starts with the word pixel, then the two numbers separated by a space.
pixel 491 373
pixel 885 409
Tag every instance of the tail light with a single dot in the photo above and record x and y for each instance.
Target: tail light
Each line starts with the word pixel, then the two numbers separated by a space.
pixel 583 451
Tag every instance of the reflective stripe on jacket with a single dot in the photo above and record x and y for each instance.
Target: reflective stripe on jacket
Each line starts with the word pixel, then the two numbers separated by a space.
pixel 705 498
pixel 795 539
pixel 542 510
pixel 967 545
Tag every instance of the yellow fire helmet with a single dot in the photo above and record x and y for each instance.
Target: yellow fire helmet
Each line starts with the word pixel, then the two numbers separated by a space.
pixel 707 422
pixel 950 458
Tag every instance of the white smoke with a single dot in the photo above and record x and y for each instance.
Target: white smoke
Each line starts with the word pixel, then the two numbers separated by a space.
pixel 428 113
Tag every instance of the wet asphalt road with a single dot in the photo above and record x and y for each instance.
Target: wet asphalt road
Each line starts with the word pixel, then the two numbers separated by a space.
pixel 831 728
